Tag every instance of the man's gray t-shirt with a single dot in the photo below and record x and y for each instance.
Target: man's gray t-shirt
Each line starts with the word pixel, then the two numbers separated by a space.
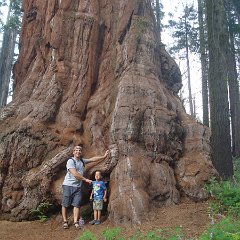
pixel 69 179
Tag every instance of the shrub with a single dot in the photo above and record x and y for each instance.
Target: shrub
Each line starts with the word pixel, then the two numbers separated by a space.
pixel 112 233
pixel 87 235
pixel 226 196
pixel 41 211
pixel 226 229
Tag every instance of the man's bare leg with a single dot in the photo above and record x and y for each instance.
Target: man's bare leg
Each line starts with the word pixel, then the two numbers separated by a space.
pixel 64 214
pixel 76 212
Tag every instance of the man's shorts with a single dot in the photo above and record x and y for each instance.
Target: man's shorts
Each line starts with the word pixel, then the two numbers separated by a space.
pixel 71 196
pixel 98 204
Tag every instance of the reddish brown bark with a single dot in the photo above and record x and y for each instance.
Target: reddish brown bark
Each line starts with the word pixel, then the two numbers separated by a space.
pixel 91 73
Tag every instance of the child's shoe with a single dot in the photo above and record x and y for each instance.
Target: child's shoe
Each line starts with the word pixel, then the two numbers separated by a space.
pixel 92 222
pixel 97 222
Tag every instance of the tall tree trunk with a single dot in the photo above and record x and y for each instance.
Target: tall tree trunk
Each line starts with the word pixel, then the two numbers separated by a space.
pixel 233 88
pixel 204 64
pixel 6 62
pixel 188 70
pixel 218 90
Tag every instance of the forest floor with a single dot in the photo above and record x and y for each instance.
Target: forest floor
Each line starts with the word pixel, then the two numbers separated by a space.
pixel 191 217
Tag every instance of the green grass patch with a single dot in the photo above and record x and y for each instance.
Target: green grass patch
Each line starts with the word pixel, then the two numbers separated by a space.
pixel 227 229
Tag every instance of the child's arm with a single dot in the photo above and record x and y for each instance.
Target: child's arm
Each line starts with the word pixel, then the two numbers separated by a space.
pixel 91 196
pixel 105 195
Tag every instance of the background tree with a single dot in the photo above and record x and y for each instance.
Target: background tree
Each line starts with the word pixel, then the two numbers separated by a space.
pixel 159 16
pixel 204 61
pixel 233 80
pixel 185 33
pixel 218 91
pixel 11 30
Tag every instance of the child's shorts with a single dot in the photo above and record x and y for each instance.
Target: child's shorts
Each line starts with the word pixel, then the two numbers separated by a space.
pixel 98 204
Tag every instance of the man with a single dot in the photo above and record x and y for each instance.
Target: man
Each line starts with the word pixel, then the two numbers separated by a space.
pixel 72 183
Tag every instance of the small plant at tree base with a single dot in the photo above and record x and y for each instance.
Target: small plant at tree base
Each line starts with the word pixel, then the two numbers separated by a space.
pixel 87 235
pixel 41 211
pixel 170 234
pixel 113 233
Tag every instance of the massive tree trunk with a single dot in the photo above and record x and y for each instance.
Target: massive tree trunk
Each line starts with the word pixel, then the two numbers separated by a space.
pixel 91 73
pixel 218 90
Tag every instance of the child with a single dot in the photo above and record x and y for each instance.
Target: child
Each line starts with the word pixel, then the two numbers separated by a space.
pixel 98 194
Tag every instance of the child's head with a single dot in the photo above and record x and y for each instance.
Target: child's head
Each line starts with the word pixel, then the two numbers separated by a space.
pixel 98 175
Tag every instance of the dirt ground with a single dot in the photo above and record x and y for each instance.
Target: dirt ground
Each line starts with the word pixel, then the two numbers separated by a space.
pixel 191 217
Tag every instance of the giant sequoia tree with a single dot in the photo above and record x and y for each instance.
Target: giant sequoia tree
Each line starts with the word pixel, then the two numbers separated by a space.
pixel 92 73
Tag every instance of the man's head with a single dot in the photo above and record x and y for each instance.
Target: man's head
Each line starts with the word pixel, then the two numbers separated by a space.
pixel 77 152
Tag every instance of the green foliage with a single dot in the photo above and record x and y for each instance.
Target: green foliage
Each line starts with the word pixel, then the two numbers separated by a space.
pixel 151 235
pixel 87 235
pixel 116 234
pixel 172 235
pixel 226 200
pixel 14 18
pixel 41 211
pixel 236 164
pixel 185 31
pixel 111 234
pixel 15 15
pixel 226 195
pixel 226 229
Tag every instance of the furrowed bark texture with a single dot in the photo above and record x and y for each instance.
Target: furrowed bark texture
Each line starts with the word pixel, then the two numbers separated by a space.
pixel 92 73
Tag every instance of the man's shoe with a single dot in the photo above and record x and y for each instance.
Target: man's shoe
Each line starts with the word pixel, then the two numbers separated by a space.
pixel 65 225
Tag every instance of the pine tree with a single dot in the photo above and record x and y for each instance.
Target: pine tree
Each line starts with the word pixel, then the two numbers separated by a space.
pixel 186 32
